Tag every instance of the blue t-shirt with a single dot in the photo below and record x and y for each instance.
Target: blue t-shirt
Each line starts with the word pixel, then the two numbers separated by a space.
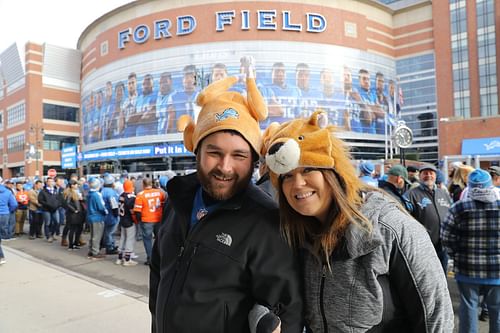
pixel 162 115
pixel 183 102
pixel 334 105
pixel 289 99
pixel 146 103
pixel 367 98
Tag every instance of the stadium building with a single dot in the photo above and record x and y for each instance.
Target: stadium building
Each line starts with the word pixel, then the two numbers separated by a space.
pixel 369 64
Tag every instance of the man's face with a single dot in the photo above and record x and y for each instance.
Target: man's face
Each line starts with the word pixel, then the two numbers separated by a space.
pixel 147 85
pixel 347 79
pixel 428 177
pixel 38 186
pixel 165 84
pixel 132 86
pixel 379 84
pixel 218 74
pixel 224 164
pixel 60 182
pixel 109 91
pixel 391 89
pixel 189 81
pixel 326 79
pixel 364 81
pixel 396 181
pixel 279 76
pixel 119 93
pixel 50 182
pixel 99 100
pixel 302 78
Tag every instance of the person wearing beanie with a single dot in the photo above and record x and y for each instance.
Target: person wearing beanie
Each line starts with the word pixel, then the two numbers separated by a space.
pixel 127 228
pixel 110 198
pixel 219 248
pixel 395 184
pixel 413 176
pixel 359 250
pixel 430 206
pixel 96 213
pixel 366 170
pixel 470 235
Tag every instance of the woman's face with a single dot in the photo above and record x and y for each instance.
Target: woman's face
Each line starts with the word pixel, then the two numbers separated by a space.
pixel 307 192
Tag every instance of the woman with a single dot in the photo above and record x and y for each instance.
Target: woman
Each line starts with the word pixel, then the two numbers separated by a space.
pixel 459 181
pixel 367 264
pixel 75 214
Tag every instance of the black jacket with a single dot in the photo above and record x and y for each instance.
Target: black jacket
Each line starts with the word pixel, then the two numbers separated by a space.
pixel 396 194
pixel 50 202
pixel 430 208
pixel 208 279
pixel 75 213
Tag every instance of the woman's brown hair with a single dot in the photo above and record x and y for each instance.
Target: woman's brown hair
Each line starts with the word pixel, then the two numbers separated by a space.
pixel 69 193
pixel 345 210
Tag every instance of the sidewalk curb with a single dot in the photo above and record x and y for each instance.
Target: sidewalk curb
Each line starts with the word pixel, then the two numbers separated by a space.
pixel 99 283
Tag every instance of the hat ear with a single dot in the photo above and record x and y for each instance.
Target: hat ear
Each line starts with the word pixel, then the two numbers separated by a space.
pixel 255 101
pixel 188 136
pixel 183 121
pixel 267 135
pixel 215 89
pixel 319 118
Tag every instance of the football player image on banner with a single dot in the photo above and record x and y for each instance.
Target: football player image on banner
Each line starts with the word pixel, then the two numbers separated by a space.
pixel 116 123
pixel 184 101
pixel 332 100
pixel 287 97
pixel 382 102
pixel 107 110
pixel 95 117
pixel 129 107
pixel 164 117
pixel 366 100
pixel 309 96
pixel 146 123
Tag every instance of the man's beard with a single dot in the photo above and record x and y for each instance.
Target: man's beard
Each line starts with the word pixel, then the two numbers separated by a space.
pixel 216 191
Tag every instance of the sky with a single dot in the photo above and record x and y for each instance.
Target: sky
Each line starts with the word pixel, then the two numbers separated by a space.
pixel 57 22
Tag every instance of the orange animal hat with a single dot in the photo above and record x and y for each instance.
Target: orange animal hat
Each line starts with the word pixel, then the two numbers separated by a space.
pixel 308 143
pixel 226 110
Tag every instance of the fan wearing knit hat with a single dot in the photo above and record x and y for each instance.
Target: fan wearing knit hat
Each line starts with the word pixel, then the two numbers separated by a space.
pixel 351 235
pixel 470 236
pixel 234 249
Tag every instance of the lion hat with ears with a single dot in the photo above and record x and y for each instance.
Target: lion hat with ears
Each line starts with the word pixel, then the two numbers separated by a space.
pixel 311 143
pixel 222 109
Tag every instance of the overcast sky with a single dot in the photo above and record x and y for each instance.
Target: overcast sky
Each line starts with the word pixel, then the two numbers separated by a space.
pixel 58 22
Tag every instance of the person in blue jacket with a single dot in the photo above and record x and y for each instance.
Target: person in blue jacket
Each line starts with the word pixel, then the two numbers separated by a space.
pixel 111 198
pixel 96 212
pixel 8 205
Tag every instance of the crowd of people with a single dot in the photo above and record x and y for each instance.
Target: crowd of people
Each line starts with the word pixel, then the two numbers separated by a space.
pixel 62 209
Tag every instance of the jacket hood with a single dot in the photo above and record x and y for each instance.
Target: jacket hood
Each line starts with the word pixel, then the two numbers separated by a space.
pixel 489 194
pixel 2 188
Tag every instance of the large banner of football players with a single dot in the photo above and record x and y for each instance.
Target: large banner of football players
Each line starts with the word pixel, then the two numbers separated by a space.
pixel 356 99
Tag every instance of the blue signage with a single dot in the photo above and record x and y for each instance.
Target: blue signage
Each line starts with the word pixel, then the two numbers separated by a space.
pixel 68 157
pixel 177 149
pixel 484 146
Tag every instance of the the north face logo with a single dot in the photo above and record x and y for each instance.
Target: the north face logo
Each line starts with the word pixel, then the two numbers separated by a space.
pixel 224 239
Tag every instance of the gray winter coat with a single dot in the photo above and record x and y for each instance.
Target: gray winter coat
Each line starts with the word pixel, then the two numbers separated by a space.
pixel 387 280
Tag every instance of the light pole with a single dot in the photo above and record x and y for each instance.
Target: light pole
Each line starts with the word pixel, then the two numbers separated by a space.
pixel 37 130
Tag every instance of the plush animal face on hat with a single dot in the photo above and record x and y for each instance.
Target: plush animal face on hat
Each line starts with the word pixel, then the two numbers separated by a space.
pixel 307 143
pixel 226 110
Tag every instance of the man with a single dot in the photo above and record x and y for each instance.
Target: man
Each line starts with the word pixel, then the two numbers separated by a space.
pixel 495 175
pixel 60 186
pixel 162 114
pixel 366 170
pixel 146 121
pixel 183 102
pixel 382 101
pixel 8 205
pixel 470 235
pixel 285 96
pixel 430 206
pixel 116 121
pixel 308 97
pixel 332 101
pixel 95 118
pixel 130 107
pixel 219 250
pixel 9 185
pixel 111 198
pixel 395 185
pixel 219 72
pixel 148 208
pixel 35 212
pixel 96 212
pixel 413 176
pixel 107 111
pixel 22 208
pixel 50 201
pixel 367 103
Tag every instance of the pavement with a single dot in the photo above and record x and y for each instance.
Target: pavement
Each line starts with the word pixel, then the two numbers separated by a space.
pixel 46 288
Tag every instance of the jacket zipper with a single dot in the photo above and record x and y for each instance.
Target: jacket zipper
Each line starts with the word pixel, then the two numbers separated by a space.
pixel 321 299
pixel 188 266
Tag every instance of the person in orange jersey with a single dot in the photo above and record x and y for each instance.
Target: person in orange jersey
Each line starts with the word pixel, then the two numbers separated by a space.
pixel 148 209
pixel 22 208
